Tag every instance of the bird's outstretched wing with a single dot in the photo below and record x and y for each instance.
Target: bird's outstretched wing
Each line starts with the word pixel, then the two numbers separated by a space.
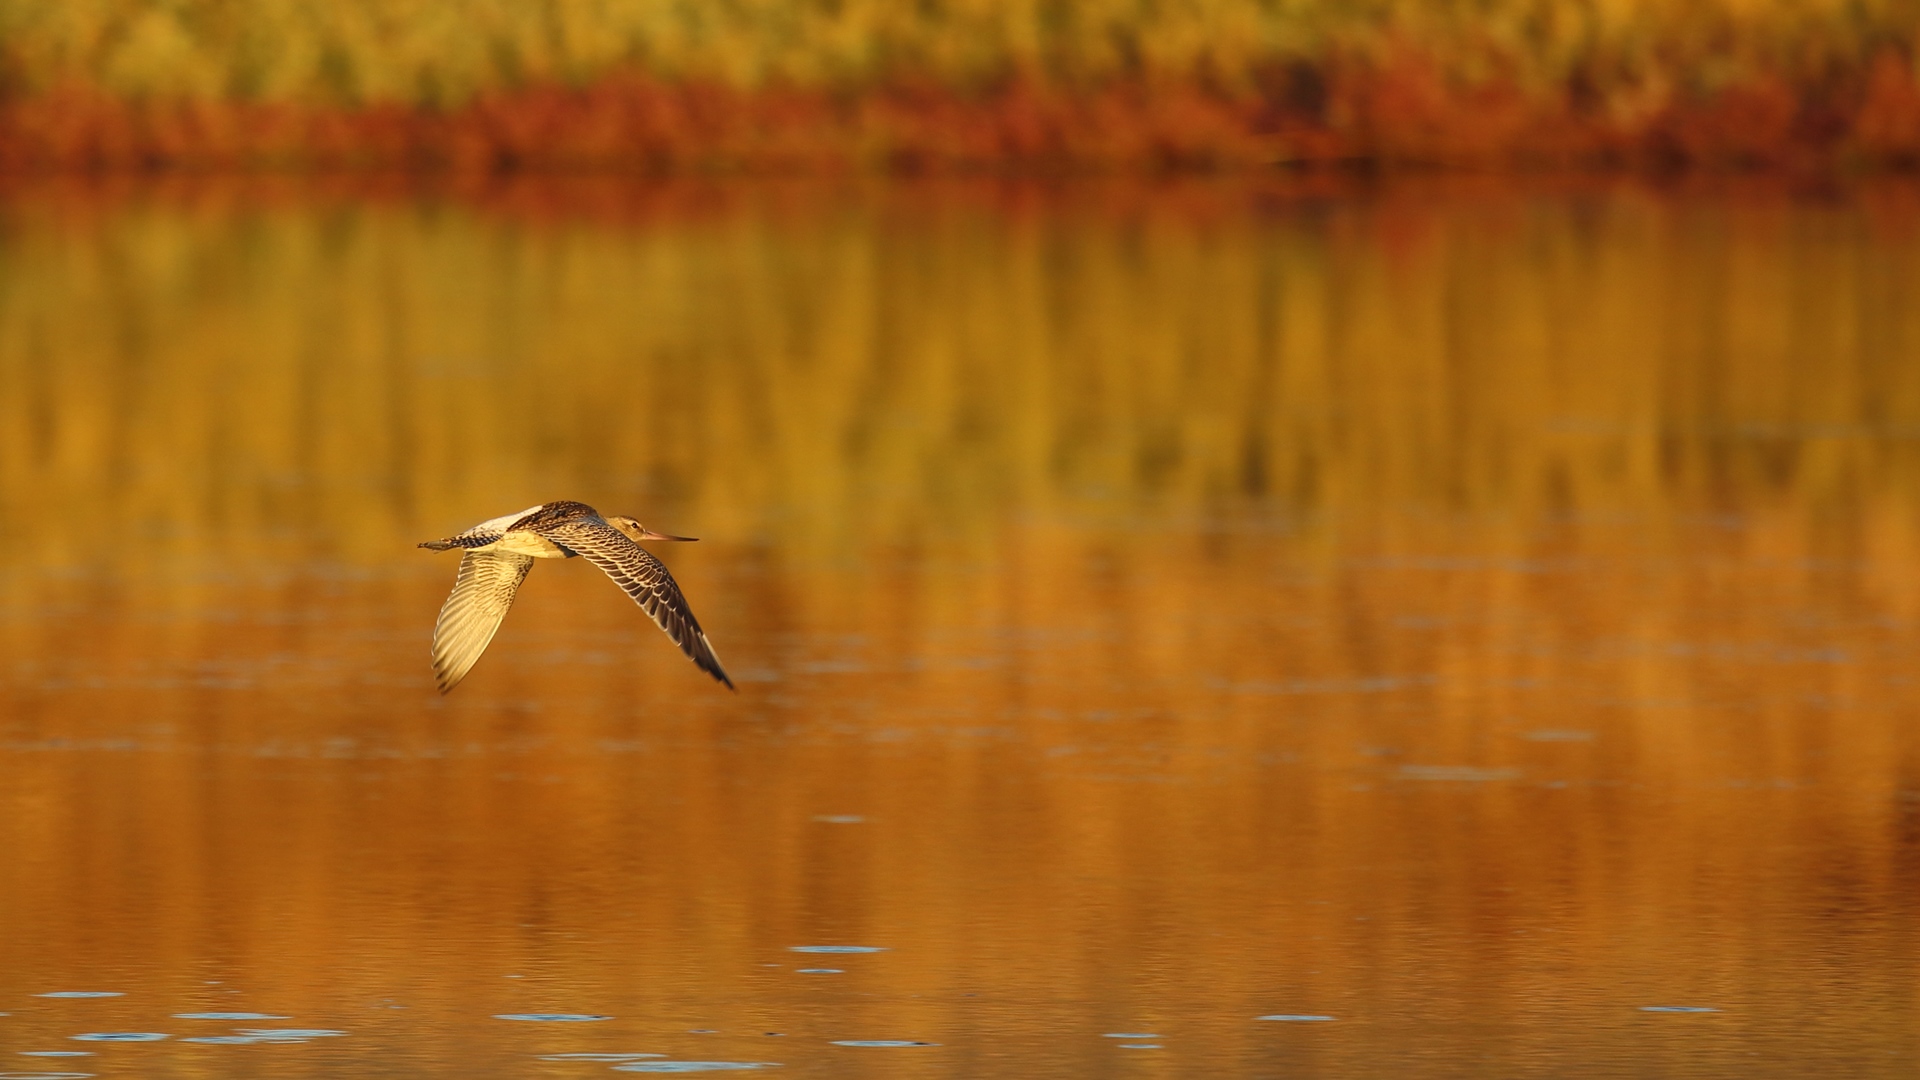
pixel 645 579
pixel 480 598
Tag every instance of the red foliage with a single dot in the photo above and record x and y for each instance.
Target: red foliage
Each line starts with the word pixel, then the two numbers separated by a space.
pixel 1402 111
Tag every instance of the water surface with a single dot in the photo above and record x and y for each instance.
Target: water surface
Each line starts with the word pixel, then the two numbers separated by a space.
pixel 1439 630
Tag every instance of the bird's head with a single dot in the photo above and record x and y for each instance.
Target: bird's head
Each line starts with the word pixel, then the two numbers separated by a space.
pixel 637 531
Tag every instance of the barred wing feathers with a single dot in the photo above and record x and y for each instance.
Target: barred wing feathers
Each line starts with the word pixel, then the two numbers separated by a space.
pixel 472 614
pixel 644 578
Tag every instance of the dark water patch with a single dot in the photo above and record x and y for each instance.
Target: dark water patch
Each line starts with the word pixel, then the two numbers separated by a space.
pixel 881 1042
pixel 56 1053
pixel 227 1016
pixel 42 1075
pixel 1296 1018
pixel 820 971
pixel 552 1018
pixel 82 994
pixel 122 1036
pixel 1677 1009
pixel 836 948
pixel 1128 1035
pixel 1140 1046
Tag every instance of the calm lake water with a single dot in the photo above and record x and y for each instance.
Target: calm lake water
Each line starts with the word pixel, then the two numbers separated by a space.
pixel 1433 630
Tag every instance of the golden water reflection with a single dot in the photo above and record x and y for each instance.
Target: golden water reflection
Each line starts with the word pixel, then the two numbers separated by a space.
pixel 1474 615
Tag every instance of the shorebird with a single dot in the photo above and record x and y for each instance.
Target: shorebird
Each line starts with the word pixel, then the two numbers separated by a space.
pixel 498 552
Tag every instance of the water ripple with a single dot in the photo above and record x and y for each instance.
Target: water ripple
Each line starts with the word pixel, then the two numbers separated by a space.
pixel 1468 774
pixel 693 1066
pixel 290 1033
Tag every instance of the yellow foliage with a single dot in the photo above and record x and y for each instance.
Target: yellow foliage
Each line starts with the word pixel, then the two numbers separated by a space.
pixel 443 53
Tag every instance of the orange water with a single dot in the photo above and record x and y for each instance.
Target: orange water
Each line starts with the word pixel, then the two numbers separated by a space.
pixel 1477 615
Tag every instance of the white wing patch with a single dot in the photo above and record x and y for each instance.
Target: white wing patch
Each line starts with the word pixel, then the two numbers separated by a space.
pixel 474 609
pixel 496 526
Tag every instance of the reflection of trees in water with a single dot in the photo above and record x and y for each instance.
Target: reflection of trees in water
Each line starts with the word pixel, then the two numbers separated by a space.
pixel 926 362
pixel 1530 627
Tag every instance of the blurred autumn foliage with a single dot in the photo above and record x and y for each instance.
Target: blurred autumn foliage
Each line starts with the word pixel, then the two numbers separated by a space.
pixel 769 84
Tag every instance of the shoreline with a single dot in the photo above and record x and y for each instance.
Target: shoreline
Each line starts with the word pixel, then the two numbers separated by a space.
pixel 1407 117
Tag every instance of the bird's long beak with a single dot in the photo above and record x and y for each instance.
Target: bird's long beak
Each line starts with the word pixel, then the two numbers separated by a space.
pixel 649 534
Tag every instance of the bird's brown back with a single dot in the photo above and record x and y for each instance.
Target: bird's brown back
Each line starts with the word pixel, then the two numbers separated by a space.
pixel 554 513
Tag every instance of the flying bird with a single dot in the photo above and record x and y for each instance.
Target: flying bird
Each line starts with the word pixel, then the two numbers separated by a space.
pixel 496 555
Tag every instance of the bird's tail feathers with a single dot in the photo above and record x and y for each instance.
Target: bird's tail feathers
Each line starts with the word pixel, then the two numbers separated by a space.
pixel 464 540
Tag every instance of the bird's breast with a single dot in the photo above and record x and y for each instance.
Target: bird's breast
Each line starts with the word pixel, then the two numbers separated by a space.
pixel 529 543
